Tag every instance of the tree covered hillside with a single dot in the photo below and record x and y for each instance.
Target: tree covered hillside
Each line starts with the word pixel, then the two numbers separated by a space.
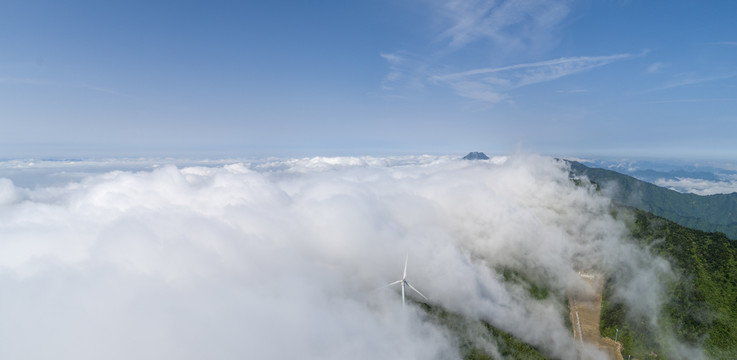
pixel 700 304
pixel 707 213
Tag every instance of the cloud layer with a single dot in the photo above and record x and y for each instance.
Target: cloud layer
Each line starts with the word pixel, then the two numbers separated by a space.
pixel 289 258
pixel 698 186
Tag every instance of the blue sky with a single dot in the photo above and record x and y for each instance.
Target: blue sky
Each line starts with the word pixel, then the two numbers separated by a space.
pixel 620 78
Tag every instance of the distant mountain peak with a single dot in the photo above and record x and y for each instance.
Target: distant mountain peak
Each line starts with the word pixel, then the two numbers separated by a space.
pixel 476 156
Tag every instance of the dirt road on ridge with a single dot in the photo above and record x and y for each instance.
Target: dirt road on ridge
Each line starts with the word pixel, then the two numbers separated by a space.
pixel 585 315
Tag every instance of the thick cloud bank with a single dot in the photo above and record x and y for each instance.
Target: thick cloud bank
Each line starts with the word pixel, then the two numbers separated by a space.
pixel 288 259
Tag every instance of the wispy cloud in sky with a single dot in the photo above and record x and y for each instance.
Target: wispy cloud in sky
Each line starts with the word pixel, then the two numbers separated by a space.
pixel 505 27
pixel 403 69
pixel 514 24
pixel 693 100
pixel 730 43
pixel 40 82
pixel 686 81
pixel 100 89
pixel 573 91
pixel 23 81
pixel 655 67
pixel 491 84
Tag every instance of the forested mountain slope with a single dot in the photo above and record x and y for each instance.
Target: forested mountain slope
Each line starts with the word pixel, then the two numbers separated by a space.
pixel 699 303
pixel 707 213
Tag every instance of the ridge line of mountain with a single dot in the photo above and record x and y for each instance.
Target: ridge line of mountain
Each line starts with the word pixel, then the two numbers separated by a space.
pixel 710 213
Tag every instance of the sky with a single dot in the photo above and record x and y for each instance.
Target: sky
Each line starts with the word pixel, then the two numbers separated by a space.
pixel 572 78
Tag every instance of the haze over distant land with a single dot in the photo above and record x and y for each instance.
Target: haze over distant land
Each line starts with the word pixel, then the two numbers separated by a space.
pixel 369 77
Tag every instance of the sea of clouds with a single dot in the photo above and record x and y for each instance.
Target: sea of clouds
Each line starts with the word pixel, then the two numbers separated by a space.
pixel 289 258
pixel 699 186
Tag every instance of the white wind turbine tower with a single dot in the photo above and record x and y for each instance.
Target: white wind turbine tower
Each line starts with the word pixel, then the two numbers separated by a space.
pixel 404 282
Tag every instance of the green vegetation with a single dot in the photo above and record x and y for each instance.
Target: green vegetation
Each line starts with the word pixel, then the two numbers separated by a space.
pixel 707 213
pixel 537 291
pixel 700 302
pixel 637 337
pixel 475 336
pixel 700 307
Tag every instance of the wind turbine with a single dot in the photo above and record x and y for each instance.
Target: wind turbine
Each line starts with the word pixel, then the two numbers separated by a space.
pixel 404 282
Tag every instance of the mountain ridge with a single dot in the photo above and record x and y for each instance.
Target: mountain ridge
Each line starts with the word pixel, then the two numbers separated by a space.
pixel 710 213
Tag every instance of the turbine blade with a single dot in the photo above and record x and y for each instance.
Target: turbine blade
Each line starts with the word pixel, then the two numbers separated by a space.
pixel 404 275
pixel 396 282
pixel 417 291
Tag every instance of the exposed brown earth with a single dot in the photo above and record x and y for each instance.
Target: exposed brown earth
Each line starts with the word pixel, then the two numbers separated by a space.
pixel 585 315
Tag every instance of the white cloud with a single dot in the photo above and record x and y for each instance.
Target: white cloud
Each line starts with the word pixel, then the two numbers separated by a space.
pixel 477 91
pixel 512 24
pixel 37 82
pixel 696 100
pixel 508 27
pixel 23 81
pixel 491 84
pixel 573 91
pixel 686 81
pixel 405 71
pixel 288 258
pixel 699 186
pixel 655 67
pixel 8 193
pixel 393 59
